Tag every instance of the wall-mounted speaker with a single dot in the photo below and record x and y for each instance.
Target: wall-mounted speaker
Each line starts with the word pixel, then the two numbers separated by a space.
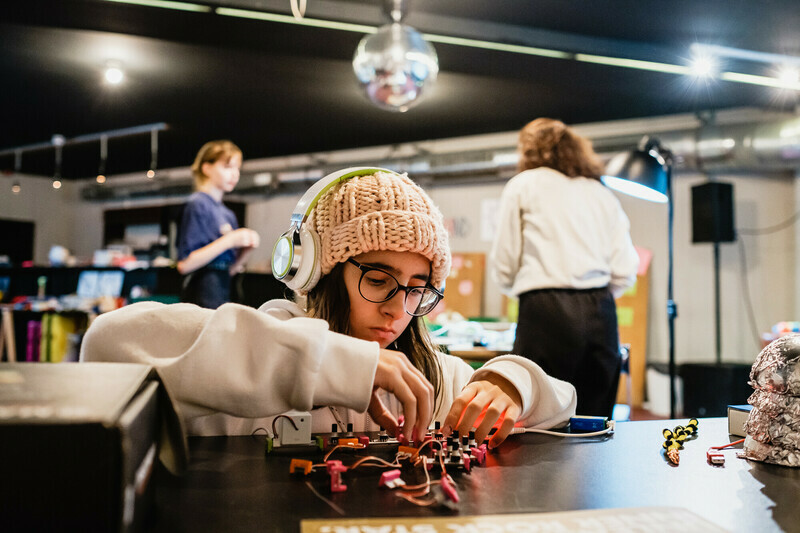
pixel 712 212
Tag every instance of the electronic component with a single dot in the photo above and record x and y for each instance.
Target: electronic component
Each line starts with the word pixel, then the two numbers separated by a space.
pixel 391 479
pixel 293 427
pixel 586 424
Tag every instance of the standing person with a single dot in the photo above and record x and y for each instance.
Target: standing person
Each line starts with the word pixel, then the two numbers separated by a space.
pixel 564 249
pixel 211 246
pixel 359 346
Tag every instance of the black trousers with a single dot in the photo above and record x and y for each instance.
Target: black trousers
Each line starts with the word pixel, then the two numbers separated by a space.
pixel 207 287
pixel 572 334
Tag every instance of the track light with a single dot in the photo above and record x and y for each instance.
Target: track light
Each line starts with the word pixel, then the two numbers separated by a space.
pixel 101 171
pixel 58 142
pixel 151 173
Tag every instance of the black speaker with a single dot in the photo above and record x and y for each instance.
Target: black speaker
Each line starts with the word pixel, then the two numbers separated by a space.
pixel 708 388
pixel 712 212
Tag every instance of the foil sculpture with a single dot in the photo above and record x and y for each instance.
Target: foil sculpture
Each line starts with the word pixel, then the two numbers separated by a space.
pixel 773 427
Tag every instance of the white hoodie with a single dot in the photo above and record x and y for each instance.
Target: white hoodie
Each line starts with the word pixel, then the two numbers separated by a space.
pixel 232 369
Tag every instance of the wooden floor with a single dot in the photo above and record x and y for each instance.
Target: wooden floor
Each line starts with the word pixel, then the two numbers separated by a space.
pixel 622 413
pixel 642 414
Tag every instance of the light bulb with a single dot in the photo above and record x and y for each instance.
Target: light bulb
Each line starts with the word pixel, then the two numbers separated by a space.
pixel 395 67
pixel 114 75
pixel 151 173
pixel 56 184
pixel 101 178
pixel 16 187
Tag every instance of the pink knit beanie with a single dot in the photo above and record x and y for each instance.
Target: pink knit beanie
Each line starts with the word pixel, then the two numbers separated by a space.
pixel 381 211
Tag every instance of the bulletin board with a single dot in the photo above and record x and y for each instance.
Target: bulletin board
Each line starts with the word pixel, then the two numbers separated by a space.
pixel 632 310
pixel 464 289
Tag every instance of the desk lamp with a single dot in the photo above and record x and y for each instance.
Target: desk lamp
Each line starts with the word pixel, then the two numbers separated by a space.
pixel 646 173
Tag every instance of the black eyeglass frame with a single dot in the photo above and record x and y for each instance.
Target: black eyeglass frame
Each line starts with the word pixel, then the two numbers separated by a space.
pixel 364 269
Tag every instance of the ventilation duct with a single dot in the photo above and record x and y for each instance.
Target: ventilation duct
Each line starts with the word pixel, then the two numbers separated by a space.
pixel 736 141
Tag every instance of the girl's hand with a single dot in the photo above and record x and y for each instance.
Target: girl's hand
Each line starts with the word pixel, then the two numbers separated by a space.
pixel 243 238
pixel 397 375
pixel 496 398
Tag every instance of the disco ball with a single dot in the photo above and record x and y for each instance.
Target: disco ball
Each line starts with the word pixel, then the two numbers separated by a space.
pixel 395 67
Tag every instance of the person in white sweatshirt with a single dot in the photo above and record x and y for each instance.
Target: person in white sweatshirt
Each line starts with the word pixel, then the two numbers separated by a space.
pixel 563 248
pixel 357 352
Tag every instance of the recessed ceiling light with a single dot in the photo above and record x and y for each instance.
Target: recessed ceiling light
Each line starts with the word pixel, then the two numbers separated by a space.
pixel 114 75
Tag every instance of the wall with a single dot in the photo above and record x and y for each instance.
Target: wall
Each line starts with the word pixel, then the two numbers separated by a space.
pixel 760 201
pixel 771 273
pixel 53 211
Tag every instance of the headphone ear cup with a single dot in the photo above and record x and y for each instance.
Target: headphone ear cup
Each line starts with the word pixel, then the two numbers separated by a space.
pixel 308 271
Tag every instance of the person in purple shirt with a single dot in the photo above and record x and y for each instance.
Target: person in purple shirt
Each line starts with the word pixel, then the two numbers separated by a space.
pixel 211 246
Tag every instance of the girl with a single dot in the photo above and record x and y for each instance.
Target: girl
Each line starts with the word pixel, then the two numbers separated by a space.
pixel 565 251
pixel 359 346
pixel 210 247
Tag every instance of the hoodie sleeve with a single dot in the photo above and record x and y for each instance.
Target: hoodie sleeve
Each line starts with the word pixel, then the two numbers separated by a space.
pixel 546 401
pixel 237 360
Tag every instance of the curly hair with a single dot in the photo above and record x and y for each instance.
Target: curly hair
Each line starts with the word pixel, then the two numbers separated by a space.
pixel 546 142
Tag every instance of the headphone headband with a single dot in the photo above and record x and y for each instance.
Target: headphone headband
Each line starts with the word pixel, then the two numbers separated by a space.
pixel 295 256
pixel 309 200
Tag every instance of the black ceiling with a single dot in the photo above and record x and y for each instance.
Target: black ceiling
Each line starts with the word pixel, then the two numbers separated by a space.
pixel 278 89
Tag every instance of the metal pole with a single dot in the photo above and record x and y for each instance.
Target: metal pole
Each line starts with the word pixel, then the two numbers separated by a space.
pixel 672 310
pixel 717 309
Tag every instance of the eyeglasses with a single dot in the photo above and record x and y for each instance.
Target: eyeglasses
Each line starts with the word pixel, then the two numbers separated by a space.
pixel 378 286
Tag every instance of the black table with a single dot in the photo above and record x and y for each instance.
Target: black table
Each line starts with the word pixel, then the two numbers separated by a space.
pixel 232 486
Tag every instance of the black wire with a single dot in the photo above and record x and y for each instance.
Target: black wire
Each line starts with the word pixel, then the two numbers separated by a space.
pixel 771 229
pixel 746 292
pixel 789 222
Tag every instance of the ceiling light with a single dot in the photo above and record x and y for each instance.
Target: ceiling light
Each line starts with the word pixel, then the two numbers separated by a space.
pixel 395 66
pixel 703 66
pixel 114 75
pixel 58 141
pixel 180 6
pixel 101 170
pixel 151 173
pixel 789 74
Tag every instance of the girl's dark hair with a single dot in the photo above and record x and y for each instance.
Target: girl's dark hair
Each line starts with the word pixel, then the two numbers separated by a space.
pixel 330 301
pixel 551 143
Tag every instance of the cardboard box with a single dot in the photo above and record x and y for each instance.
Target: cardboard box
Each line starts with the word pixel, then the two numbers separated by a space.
pixel 737 416
pixel 78 445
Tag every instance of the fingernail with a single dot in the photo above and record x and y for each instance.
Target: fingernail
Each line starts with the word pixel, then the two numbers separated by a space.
pixel 447 430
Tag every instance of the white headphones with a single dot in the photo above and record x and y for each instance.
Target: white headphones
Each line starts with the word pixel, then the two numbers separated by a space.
pixel 295 256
